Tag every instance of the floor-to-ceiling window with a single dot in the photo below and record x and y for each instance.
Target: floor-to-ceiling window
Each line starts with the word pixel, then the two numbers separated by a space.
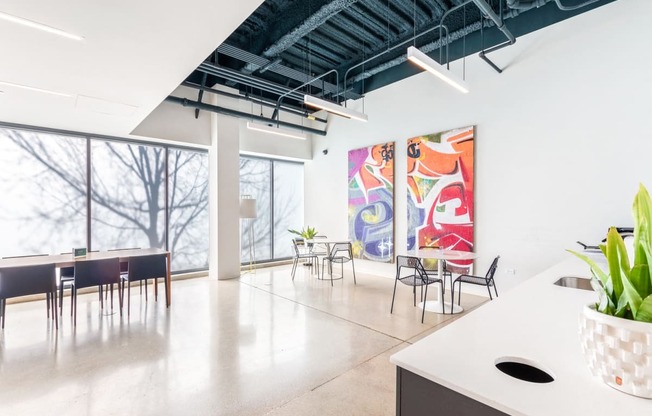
pixel 127 195
pixel 61 191
pixel 188 207
pixel 42 192
pixel 277 187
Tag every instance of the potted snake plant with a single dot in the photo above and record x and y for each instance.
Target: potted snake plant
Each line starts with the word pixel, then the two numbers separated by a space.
pixel 616 332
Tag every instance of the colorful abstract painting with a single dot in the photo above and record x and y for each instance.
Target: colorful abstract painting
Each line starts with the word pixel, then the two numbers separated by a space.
pixel 440 191
pixel 371 202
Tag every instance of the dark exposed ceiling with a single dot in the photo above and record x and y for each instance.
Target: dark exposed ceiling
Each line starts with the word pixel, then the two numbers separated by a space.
pixel 286 43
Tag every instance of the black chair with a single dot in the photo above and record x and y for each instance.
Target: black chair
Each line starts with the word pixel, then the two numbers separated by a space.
pixel 340 253
pixel 28 280
pixel 417 277
pixel 487 280
pixel 152 266
pixel 90 273
pixel 298 255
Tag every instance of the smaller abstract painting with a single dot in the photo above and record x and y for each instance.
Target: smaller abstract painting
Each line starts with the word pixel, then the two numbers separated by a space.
pixel 371 202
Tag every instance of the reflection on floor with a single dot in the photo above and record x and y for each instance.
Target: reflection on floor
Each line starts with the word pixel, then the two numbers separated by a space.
pixel 257 345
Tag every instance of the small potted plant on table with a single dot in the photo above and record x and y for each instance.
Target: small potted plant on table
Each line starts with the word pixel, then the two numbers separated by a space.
pixel 616 333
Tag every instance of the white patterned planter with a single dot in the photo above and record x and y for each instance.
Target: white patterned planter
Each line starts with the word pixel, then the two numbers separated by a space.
pixel 619 351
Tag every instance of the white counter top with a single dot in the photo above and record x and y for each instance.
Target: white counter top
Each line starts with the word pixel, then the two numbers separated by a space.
pixel 538 321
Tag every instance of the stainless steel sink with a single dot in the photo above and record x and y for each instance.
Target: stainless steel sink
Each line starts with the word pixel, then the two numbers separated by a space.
pixel 575 282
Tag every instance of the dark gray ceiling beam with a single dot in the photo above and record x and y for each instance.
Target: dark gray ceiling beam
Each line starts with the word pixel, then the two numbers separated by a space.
pixel 321 46
pixel 432 46
pixel 332 37
pixel 372 24
pixel 347 27
pixel 407 7
pixel 259 62
pixel 362 26
pixel 310 24
pixel 396 19
pixel 317 53
pixel 336 35
pixel 437 6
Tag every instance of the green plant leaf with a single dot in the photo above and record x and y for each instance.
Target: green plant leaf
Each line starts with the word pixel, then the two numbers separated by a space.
pixel 642 210
pixel 614 262
pixel 597 271
pixel 631 297
pixel 645 311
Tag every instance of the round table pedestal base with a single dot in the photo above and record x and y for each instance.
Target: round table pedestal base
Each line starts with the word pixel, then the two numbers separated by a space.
pixel 435 306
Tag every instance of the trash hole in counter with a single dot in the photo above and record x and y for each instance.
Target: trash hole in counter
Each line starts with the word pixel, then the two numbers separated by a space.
pixel 523 369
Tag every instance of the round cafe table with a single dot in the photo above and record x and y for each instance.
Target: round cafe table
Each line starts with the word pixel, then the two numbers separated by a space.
pixel 435 253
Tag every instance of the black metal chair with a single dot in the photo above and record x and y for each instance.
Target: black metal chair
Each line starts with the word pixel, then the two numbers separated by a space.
pixel 417 277
pixel 487 280
pixel 141 268
pixel 90 273
pixel 29 280
pixel 298 255
pixel 336 256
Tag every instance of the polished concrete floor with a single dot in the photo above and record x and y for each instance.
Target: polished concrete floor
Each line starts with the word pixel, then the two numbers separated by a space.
pixel 257 345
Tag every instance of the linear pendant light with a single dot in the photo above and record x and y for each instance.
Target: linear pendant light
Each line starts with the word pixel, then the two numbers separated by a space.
pixel 333 108
pixel 275 130
pixel 39 26
pixel 432 66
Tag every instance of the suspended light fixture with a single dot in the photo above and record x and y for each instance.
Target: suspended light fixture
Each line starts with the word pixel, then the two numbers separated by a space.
pixel 275 130
pixel 432 66
pixel 334 108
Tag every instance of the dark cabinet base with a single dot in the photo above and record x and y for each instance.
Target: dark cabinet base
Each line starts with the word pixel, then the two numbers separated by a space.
pixel 416 396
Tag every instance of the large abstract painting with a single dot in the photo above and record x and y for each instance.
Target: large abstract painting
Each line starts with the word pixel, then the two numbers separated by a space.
pixel 371 202
pixel 440 191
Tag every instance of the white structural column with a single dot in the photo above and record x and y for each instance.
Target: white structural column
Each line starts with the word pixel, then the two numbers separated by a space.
pixel 225 197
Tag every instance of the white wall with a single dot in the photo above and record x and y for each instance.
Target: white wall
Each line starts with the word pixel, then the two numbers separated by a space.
pixel 561 141
pixel 171 121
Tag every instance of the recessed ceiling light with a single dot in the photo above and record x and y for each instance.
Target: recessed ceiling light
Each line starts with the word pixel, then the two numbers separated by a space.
pixel 39 26
pixel 27 87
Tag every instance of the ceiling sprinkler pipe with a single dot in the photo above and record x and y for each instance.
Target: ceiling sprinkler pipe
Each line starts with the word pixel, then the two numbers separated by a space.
pixel 570 8
pixel 500 24
pixel 239 114
pixel 524 5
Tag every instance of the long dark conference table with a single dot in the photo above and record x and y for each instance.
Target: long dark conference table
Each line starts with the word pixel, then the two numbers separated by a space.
pixel 67 260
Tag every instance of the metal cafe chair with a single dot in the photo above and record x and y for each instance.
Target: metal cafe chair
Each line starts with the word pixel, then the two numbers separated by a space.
pixel 305 255
pixel 417 276
pixel 340 253
pixel 486 280
pixel 29 280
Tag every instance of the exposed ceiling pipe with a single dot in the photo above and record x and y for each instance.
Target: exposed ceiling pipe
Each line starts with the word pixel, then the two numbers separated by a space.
pixel 233 75
pixel 310 24
pixel 257 100
pixel 500 24
pixel 526 4
pixel 570 8
pixel 260 62
pixel 239 114
pixel 439 43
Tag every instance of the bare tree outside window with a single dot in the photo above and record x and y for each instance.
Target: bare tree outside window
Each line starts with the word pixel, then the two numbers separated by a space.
pixel 285 188
pixel 127 194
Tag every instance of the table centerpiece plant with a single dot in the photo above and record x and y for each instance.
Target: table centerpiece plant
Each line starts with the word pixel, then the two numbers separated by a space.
pixel 307 232
pixel 616 332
